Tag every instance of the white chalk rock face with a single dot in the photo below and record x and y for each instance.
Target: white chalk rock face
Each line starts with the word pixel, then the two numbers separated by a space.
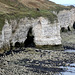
pixel 47 33
pixel 43 31
pixel 6 32
pixel 66 18
pixel 1 42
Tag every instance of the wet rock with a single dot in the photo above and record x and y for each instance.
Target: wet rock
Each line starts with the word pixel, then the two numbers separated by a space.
pixel 35 62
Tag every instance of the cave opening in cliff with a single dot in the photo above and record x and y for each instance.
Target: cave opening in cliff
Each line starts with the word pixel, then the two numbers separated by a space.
pixel 69 28
pixel 29 42
pixel 17 45
pixel 74 25
pixel 62 29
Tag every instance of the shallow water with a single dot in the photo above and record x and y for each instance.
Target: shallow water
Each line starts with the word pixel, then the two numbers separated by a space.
pixel 69 50
pixel 69 70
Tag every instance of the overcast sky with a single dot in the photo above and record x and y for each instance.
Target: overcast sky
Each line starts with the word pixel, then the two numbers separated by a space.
pixel 64 1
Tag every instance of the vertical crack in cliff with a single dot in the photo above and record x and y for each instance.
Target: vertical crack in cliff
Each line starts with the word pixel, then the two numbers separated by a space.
pixel 74 25
pixel 69 28
pixel 29 42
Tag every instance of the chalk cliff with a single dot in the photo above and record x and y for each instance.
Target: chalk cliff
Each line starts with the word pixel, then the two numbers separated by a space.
pixel 44 32
pixel 66 18
pixel 37 20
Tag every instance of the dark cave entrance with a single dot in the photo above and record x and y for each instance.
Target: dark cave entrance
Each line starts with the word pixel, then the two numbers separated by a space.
pixel 69 28
pixel 63 29
pixel 17 45
pixel 29 42
pixel 74 25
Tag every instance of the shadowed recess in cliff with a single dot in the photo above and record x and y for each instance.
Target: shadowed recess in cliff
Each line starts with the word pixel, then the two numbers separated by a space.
pixel 62 29
pixel 74 25
pixel 69 28
pixel 29 42
pixel 17 45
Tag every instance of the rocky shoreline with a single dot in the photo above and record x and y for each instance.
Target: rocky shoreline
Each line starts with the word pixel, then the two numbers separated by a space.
pixel 68 39
pixel 32 61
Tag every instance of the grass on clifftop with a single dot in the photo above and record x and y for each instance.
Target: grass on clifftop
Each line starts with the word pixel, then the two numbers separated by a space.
pixel 30 14
pixel 16 9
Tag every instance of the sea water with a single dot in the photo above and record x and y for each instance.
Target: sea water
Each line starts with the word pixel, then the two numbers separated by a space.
pixel 69 70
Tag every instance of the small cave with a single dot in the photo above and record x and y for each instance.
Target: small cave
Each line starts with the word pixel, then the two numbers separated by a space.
pixel 74 25
pixel 37 9
pixel 63 29
pixel 17 45
pixel 29 42
pixel 69 28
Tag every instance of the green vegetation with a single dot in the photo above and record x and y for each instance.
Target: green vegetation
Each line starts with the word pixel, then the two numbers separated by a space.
pixel 61 7
pixel 1 21
pixel 30 14
pixel 16 9
pixel 50 47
